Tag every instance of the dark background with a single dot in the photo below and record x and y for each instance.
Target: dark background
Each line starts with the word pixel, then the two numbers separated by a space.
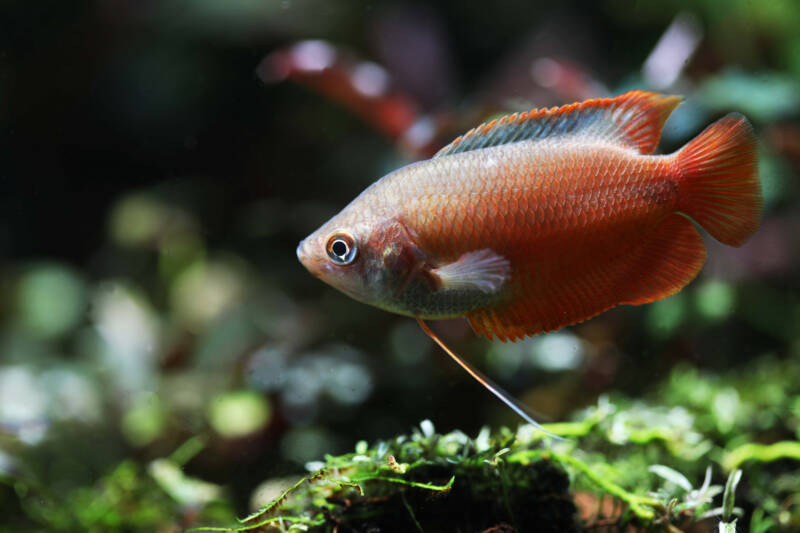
pixel 154 185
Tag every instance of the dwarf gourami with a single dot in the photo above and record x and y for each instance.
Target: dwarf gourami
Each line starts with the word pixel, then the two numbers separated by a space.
pixel 543 219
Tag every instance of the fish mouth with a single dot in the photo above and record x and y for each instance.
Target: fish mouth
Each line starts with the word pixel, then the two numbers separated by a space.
pixel 303 255
pixel 313 264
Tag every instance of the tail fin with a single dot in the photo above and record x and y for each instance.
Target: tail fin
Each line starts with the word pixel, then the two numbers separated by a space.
pixel 719 187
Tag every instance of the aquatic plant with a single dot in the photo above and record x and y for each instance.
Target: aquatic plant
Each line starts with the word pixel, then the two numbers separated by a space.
pixel 647 464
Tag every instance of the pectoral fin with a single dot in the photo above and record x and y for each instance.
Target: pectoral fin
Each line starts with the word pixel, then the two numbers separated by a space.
pixel 482 270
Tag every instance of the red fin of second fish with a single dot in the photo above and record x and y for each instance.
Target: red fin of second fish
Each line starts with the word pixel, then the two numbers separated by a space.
pixel 633 120
pixel 656 267
pixel 720 189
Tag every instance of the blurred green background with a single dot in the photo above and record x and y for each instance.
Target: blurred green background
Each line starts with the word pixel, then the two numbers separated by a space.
pixel 156 176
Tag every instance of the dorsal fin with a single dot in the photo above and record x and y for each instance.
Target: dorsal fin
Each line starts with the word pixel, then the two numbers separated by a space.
pixel 633 120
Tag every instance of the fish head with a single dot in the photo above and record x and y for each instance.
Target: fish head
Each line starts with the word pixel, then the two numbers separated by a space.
pixel 370 258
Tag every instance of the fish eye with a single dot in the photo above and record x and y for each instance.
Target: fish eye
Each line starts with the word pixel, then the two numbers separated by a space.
pixel 342 248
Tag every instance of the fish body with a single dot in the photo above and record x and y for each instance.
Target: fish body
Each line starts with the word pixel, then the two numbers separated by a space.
pixel 544 219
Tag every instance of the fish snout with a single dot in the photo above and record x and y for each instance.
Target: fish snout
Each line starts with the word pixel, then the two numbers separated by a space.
pixel 307 257
pixel 303 255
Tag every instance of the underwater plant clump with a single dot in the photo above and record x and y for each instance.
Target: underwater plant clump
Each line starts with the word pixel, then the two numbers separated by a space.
pixel 127 498
pixel 427 482
pixel 623 465
pixel 701 452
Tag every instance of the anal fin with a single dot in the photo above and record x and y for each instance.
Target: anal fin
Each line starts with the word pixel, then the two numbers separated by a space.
pixel 659 265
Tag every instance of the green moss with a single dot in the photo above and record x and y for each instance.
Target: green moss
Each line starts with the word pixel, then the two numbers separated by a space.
pixel 661 461
pixel 126 499
pixel 427 482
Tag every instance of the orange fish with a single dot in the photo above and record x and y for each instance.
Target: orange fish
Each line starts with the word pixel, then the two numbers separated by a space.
pixel 543 219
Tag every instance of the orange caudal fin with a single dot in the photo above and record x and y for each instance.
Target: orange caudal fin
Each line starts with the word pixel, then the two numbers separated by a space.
pixel 719 183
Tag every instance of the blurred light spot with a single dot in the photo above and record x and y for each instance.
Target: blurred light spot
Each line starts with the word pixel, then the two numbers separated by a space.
pixel 303 386
pixel 144 421
pixel 557 351
pixel 370 79
pixel 185 490
pixel 270 490
pixel 305 444
pixel 449 445
pixel 305 381
pixel 666 316
pixel 9 466
pixel 128 328
pixel 313 55
pixel 777 178
pixel 51 300
pixel 23 404
pixel 187 393
pixel 526 433
pixel 140 220
pixel 136 220
pixel 427 428
pixel 239 413
pixel 638 417
pixel 315 466
pixel 420 133
pixel 715 300
pixel 223 343
pixel 546 72
pixel 72 396
pixel 349 383
pixel 763 97
pixel 672 51
pixel 204 291
pixel 482 441
pixel 336 371
pixel 409 343
pixel 726 406
pixel 685 122
pixel 266 369
pixel 178 251
pixel 505 359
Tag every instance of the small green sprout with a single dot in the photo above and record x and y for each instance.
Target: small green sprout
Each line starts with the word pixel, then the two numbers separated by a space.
pixel 728 523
